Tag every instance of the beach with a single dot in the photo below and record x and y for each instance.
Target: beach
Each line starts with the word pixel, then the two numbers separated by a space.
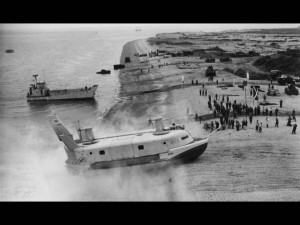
pixel 237 165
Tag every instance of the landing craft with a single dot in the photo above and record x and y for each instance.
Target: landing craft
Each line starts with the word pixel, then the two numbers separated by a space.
pixel 173 144
pixel 38 91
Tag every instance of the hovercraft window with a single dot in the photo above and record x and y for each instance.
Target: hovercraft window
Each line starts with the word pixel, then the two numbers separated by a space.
pixel 185 137
pixel 102 152
pixel 141 147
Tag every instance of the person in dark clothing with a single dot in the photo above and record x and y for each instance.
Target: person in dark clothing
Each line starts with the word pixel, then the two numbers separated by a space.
pixel 265 97
pixel 196 116
pixel 276 122
pixel 237 125
pixel 209 97
pixel 294 129
pixel 200 119
pixel 217 124
pixel 192 82
pixel 212 125
pixel 276 111
pixel 281 103
pixel 200 91
pixel 294 115
pixel 250 119
pixel 215 113
pixel 257 125
pixel 260 128
pixel 289 121
pixel 206 126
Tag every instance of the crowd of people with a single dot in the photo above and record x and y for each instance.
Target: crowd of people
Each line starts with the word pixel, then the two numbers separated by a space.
pixel 227 113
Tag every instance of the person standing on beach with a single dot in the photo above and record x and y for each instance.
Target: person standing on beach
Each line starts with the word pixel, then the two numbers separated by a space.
pixel 237 125
pixel 276 111
pixel 212 125
pixel 294 115
pixel 267 122
pixel 294 128
pixel 276 122
pixel 289 124
pixel 260 128
pixel 257 125
pixel 206 126
pixel 202 84
pixel 281 103
pixel 250 118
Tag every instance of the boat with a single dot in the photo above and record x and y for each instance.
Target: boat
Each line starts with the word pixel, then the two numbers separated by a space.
pixel 38 91
pixel 158 145
pixel 103 72
pixel 9 51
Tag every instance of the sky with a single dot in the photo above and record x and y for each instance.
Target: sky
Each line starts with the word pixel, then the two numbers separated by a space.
pixel 210 27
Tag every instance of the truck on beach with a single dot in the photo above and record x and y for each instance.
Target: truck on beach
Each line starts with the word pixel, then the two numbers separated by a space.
pixel 38 91
pixel 155 146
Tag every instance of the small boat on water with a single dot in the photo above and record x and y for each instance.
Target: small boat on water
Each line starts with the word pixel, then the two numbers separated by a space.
pixel 38 91
pixel 159 145
pixel 103 72
pixel 9 51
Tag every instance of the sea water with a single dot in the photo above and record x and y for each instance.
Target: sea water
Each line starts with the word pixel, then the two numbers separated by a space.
pixel 32 159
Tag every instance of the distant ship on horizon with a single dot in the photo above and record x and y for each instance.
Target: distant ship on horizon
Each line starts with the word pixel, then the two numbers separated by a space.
pixel 38 91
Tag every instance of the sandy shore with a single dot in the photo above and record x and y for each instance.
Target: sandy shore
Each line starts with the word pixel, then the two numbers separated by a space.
pixel 237 165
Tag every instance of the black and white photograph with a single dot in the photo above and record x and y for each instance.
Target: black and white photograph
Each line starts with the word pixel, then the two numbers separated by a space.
pixel 149 112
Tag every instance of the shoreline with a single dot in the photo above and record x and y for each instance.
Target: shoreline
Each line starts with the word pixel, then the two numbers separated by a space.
pixel 226 162
pixel 136 88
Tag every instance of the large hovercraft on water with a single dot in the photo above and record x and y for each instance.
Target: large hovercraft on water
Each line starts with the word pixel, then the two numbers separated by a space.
pixel 173 144
pixel 38 91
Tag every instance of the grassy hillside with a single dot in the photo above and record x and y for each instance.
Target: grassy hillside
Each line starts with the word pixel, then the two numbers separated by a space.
pixel 287 64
